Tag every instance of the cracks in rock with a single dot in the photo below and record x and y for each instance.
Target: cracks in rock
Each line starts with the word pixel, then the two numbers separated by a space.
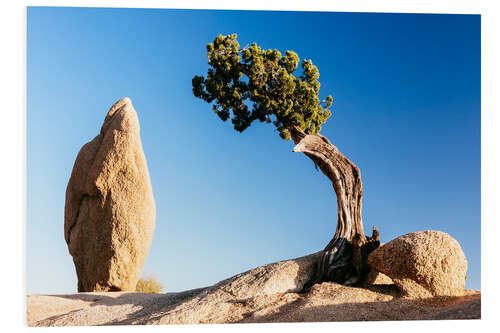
pixel 75 221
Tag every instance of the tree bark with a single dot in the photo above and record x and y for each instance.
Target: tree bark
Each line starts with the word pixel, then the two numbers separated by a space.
pixel 343 260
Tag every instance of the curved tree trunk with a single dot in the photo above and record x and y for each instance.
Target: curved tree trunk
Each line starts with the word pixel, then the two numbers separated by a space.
pixel 344 257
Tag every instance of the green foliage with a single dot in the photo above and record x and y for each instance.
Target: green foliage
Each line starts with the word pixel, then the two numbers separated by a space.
pixel 264 80
pixel 148 284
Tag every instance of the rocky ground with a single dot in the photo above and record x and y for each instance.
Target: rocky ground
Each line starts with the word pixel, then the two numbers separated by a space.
pixel 327 302
pixel 265 294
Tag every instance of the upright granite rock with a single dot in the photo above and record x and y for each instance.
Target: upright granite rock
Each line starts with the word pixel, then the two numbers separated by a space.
pixel 109 216
pixel 423 264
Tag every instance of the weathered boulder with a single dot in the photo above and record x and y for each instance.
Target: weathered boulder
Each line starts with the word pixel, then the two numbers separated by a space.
pixel 264 294
pixel 109 215
pixel 232 299
pixel 423 264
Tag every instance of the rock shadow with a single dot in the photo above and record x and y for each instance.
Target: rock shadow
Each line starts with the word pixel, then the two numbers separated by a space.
pixel 149 304
pixel 397 309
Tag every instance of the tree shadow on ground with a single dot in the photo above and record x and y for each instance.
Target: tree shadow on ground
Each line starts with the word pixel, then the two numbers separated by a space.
pixel 307 308
pixel 397 309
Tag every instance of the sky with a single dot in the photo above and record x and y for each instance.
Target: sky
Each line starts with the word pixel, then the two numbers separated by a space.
pixel 407 112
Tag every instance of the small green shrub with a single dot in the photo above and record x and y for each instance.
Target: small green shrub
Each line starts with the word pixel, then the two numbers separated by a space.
pixel 148 284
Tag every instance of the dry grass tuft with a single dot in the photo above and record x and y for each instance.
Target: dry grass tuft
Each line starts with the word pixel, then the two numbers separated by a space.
pixel 148 284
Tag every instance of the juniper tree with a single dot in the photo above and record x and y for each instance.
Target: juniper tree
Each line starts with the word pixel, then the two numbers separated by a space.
pixel 251 84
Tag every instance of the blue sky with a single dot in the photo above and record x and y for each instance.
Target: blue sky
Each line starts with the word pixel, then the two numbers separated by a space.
pixel 406 110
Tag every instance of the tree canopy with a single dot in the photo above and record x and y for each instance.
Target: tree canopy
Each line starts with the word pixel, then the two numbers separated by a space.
pixel 251 83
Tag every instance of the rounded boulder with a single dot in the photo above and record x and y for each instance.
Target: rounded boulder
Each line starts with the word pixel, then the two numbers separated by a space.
pixel 423 264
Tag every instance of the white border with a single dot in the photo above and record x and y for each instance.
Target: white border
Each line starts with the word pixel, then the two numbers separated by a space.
pixel 13 195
